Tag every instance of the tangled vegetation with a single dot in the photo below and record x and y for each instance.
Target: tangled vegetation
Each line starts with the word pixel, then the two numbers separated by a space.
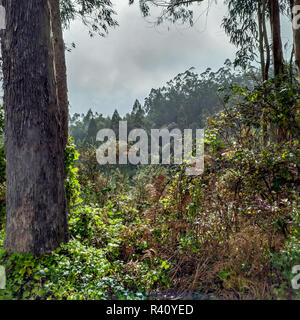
pixel 231 233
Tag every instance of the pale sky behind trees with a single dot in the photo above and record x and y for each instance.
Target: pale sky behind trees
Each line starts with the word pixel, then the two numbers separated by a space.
pixel 109 73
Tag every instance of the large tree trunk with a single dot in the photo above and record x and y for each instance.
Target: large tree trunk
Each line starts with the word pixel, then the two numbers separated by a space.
pixel 36 218
pixel 276 37
pixel 296 32
pixel 60 66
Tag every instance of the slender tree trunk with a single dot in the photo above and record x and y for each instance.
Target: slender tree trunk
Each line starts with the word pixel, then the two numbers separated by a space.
pixel 277 52
pixel 276 37
pixel 266 46
pixel 261 40
pixel 60 66
pixel 36 218
pixel 266 40
pixel 291 67
pixel 296 32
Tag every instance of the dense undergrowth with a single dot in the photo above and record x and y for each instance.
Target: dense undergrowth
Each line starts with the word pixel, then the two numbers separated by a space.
pixel 231 233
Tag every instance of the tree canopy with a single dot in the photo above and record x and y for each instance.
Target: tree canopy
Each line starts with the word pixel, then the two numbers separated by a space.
pixel 97 15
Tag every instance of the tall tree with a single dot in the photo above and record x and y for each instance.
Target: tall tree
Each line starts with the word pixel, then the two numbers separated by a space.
pixel 296 32
pixel 241 25
pixel 260 19
pixel 276 37
pixel 116 118
pixel 244 28
pixel 266 39
pixel 36 212
pixel 91 132
pixel 97 15
pixel 36 111
pixel 137 115
pixel 60 66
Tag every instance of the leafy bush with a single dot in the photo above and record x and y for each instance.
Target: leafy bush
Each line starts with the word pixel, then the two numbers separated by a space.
pixel 73 271
pixel 231 233
pixel 289 257
pixel 72 184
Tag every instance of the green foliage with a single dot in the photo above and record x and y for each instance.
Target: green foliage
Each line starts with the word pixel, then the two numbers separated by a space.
pixel 94 265
pixel 72 184
pixel 171 10
pixel 290 256
pixel 229 224
pixel 115 119
pixel 233 231
pixel 135 232
pixel 97 15
pixel 74 271
pixel 241 26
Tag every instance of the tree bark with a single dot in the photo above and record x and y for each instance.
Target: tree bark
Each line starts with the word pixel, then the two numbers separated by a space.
pixel 266 46
pixel 36 215
pixel 261 40
pixel 266 40
pixel 277 52
pixel 276 37
pixel 60 66
pixel 296 32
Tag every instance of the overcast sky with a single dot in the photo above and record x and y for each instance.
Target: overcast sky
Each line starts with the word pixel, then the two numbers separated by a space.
pixel 110 73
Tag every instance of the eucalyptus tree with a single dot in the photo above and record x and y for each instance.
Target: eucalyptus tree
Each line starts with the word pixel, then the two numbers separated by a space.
pixel 296 32
pixel 274 10
pixel 171 10
pixel 245 24
pixel 247 28
pixel 97 16
pixel 36 218
pixel 35 101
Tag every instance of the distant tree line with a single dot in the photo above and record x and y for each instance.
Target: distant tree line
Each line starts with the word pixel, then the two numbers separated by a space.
pixel 184 102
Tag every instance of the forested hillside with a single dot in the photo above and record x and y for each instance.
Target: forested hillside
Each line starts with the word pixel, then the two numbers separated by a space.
pixel 184 102
pixel 152 231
